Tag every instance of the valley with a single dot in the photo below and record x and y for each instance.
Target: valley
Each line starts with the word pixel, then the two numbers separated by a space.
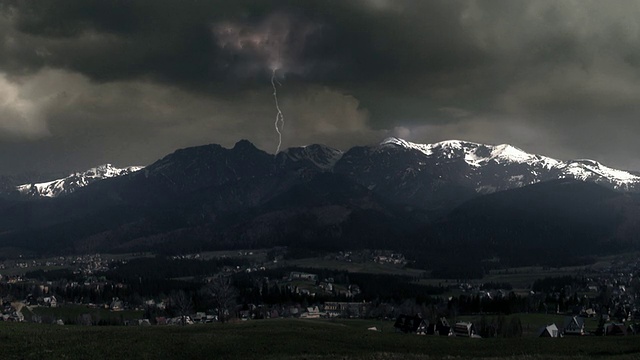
pixel 213 238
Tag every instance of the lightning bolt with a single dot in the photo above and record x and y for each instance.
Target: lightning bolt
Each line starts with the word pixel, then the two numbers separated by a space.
pixel 279 123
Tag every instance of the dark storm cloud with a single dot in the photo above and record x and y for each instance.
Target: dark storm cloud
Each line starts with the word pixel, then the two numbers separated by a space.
pixel 548 76
pixel 326 41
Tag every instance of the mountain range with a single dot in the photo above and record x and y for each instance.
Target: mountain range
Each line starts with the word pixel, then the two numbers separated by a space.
pixel 448 200
pixel 478 167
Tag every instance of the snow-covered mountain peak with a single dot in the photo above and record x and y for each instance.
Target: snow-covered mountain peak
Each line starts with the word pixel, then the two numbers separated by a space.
pixel 74 181
pixel 449 148
pixel 474 154
pixel 505 153
pixel 506 150
pixel 478 156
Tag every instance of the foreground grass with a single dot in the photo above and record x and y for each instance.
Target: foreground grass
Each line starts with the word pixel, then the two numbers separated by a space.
pixel 286 339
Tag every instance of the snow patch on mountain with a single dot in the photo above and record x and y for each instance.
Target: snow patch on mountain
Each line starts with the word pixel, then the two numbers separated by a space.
pixel 74 181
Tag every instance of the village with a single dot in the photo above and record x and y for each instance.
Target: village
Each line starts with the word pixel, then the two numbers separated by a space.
pixel 599 301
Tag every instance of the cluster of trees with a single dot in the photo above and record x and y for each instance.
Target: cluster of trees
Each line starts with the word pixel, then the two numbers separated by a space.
pixel 555 284
pixel 499 326
pixel 267 287
pixel 474 304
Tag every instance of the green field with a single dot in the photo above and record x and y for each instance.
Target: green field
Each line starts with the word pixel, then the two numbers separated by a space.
pixel 287 339
pixel 368 267
pixel 521 278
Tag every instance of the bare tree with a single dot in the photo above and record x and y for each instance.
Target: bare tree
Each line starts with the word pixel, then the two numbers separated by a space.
pixel 223 295
pixel 181 304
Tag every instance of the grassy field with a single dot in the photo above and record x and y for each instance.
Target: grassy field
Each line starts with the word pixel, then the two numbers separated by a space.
pixel 368 267
pixel 287 339
pixel 521 278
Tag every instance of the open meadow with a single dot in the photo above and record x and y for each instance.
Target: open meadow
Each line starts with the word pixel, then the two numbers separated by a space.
pixel 367 267
pixel 287 339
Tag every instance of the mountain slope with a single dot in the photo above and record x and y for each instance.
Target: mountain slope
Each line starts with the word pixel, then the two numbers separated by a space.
pixel 198 197
pixel 550 223
pixel 440 176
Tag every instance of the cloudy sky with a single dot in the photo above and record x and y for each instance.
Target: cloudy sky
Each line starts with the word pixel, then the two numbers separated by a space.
pixel 88 82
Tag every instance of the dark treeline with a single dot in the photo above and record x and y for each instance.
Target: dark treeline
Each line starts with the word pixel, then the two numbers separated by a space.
pixel 54 275
pixel 393 287
pixel 555 284
pixel 499 326
pixel 475 304
pixel 372 286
